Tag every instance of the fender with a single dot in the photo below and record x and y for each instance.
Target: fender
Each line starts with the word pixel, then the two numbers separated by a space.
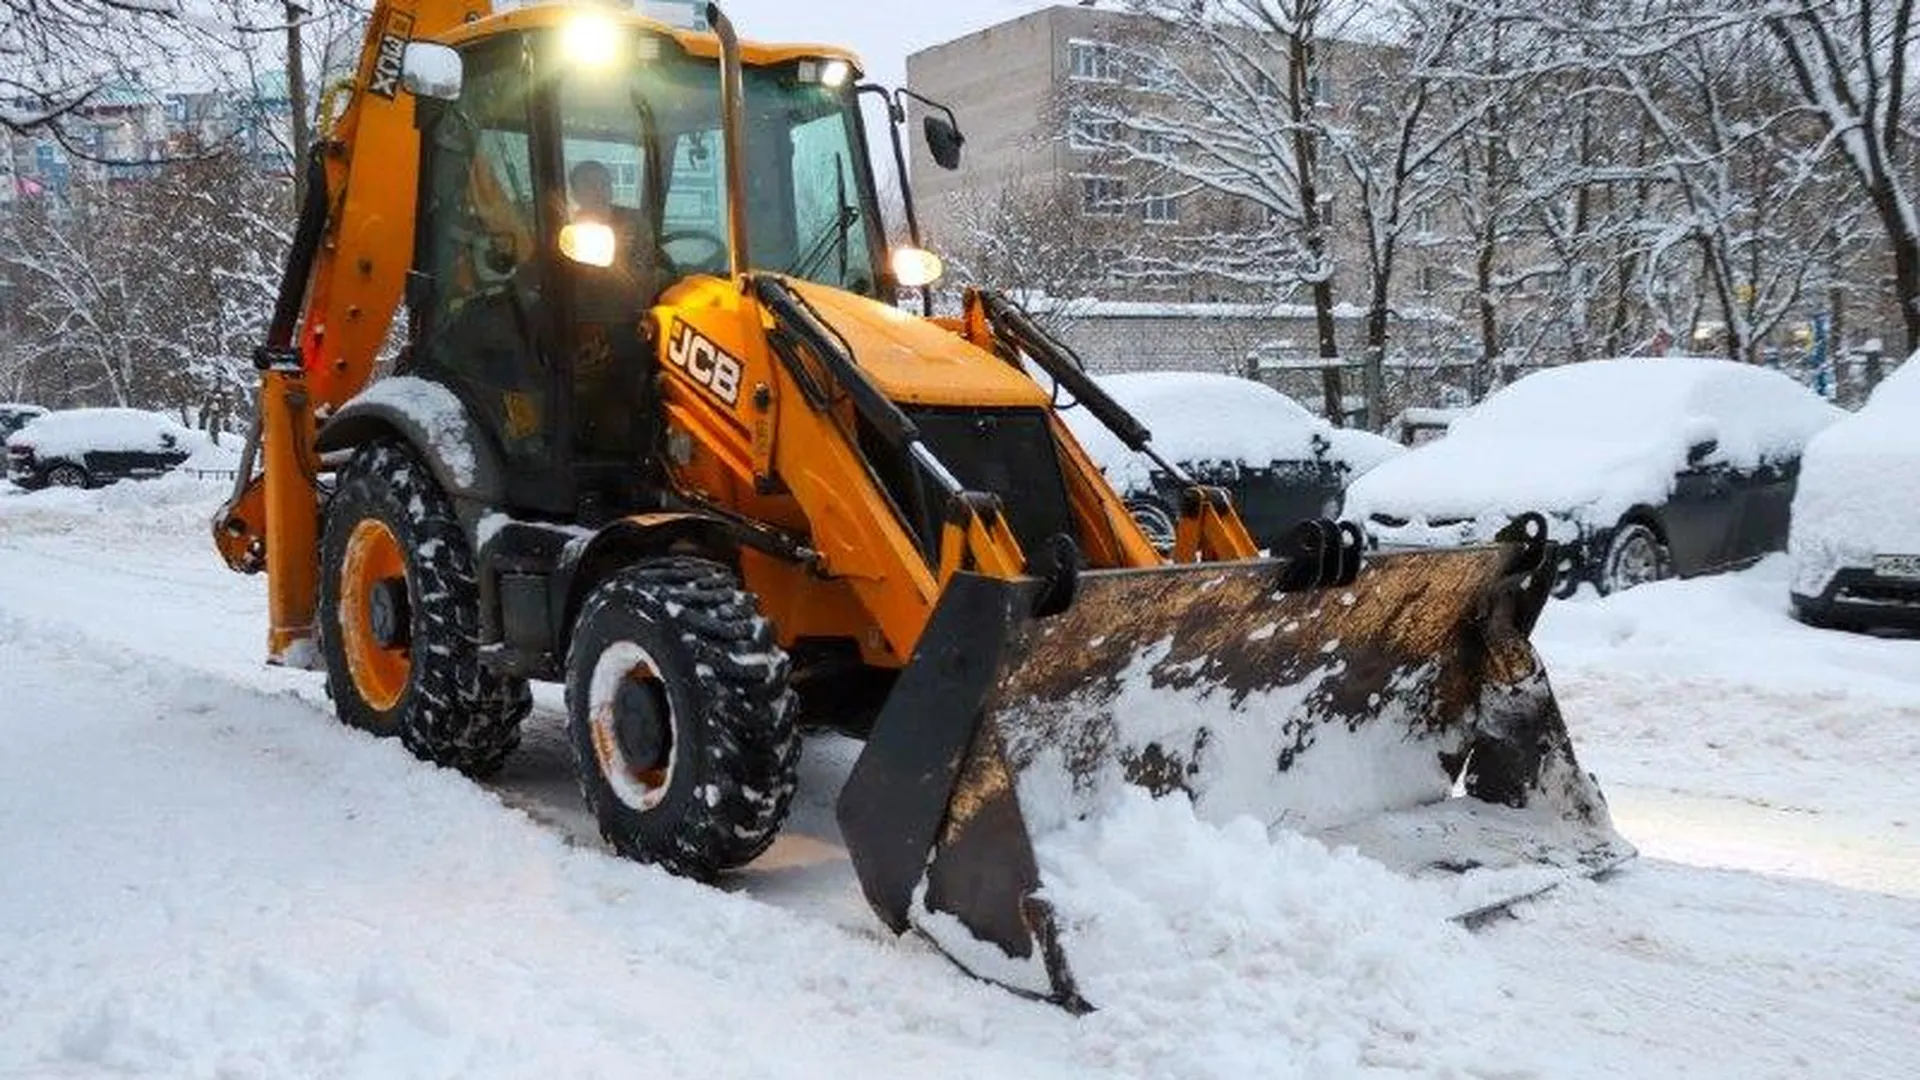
pixel 435 423
pixel 535 575
pixel 589 559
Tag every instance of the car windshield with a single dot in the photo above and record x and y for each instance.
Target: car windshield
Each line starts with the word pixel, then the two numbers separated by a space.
pixel 644 145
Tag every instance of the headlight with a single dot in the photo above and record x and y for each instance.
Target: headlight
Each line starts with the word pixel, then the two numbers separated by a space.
pixel 587 242
pixel 916 267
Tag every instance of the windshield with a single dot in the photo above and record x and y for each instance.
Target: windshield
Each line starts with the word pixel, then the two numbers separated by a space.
pixel 643 150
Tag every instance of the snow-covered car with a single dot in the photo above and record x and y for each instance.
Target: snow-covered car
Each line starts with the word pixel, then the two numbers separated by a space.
pixel 1855 542
pixel 1282 464
pixel 95 447
pixel 1643 468
pixel 14 415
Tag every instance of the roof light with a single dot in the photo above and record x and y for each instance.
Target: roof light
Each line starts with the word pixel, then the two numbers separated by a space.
pixel 589 40
pixel 832 74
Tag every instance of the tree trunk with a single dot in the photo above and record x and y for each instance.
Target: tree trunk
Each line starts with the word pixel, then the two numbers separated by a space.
pixel 1306 161
pixel 1906 279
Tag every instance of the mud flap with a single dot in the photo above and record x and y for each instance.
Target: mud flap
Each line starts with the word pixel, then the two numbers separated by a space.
pixel 1405 713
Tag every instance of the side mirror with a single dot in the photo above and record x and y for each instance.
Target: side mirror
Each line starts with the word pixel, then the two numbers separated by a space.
pixel 431 70
pixel 944 142
pixel 1699 452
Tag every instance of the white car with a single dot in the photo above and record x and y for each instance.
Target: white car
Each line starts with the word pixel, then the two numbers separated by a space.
pixel 1855 541
pixel 1282 464
pixel 1643 468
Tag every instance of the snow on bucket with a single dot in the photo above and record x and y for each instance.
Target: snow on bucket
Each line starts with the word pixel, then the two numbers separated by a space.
pixel 1405 714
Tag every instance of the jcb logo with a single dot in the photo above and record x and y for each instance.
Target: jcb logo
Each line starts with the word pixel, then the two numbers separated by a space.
pixel 391 60
pixel 705 363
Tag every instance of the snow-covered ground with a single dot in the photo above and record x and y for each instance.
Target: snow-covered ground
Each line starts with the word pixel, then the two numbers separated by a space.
pixel 202 874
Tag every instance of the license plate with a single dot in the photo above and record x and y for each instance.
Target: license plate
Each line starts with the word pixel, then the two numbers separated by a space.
pixel 1902 566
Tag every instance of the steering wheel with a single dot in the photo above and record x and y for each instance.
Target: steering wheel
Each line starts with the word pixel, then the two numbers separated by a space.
pixel 715 260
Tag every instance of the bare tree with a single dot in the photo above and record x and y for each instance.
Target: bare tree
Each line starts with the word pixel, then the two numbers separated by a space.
pixel 1011 239
pixel 1394 139
pixel 1849 60
pixel 148 292
pixel 1217 101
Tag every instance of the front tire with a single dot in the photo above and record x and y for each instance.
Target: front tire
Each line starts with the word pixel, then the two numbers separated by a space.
pixel 1635 556
pixel 680 717
pixel 399 614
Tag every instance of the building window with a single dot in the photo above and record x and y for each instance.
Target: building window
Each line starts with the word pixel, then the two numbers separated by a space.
pixel 1090 133
pixel 1266 86
pixel 1102 194
pixel 1429 279
pixel 1160 209
pixel 1155 142
pixel 1319 88
pixel 1093 60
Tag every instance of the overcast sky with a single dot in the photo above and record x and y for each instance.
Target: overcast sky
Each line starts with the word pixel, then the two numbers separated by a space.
pixel 883 32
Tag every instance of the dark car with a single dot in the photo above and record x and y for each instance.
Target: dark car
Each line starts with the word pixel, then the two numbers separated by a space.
pixel 95 447
pixel 1855 545
pixel 1643 468
pixel 1282 464
pixel 14 415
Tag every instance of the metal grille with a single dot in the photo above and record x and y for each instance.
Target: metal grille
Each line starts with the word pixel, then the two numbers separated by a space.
pixel 1008 452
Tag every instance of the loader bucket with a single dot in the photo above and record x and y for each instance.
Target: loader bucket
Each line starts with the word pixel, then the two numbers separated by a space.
pixel 1404 713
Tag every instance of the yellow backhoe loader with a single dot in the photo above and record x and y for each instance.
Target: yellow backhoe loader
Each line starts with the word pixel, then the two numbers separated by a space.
pixel 663 430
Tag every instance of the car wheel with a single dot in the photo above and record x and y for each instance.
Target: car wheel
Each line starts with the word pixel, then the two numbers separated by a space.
pixel 1566 574
pixel 1155 520
pixel 1635 556
pixel 66 474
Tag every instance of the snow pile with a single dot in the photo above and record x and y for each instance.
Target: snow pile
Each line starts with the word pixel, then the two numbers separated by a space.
pixel 1710 685
pixel 74 433
pixel 1197 416
pixel 1592 440
pixel 175 504
pixel 1207 949
pixel 1859 490
pixel 211 457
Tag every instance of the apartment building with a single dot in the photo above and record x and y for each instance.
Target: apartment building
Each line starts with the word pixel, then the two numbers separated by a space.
pixel 1020 90
pixel 125 130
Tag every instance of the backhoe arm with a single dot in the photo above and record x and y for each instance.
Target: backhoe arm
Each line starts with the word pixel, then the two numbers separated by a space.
pixel 338 294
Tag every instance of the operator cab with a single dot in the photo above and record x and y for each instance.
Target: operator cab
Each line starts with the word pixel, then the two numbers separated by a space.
pixel 577 174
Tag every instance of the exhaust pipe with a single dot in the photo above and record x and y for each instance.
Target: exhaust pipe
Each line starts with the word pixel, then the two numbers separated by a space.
pixel 733 121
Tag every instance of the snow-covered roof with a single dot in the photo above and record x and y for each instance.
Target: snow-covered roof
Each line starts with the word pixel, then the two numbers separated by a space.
pixel 1593 439
pixel 1201 416
pixel 72 432
pixel 1855 497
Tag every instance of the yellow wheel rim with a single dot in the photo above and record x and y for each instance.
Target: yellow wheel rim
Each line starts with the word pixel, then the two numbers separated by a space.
pixel 379 672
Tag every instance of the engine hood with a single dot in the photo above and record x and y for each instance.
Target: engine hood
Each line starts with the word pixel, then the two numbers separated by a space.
pixel 914 361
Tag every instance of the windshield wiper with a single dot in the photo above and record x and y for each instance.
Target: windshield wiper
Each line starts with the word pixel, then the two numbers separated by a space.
pixel 833 235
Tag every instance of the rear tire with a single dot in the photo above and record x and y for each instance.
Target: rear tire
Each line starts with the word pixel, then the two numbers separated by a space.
pixel 680 717
pixel 399 614
pixel 1635 556
pixel 67 475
